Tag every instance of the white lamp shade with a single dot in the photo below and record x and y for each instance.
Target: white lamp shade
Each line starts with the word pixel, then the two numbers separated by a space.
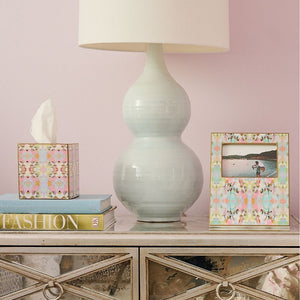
pixel 182 26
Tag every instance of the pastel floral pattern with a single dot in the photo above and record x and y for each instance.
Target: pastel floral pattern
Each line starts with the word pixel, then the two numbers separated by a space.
pixel 45 172
pixel 249 201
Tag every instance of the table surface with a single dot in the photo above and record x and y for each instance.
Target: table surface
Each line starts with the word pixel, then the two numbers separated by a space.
pixel 190 232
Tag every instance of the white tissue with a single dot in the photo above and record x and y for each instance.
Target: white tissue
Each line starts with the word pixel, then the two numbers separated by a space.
pixel 43 123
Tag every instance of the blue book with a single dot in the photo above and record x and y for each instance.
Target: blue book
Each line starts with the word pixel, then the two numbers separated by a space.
pixel 84 204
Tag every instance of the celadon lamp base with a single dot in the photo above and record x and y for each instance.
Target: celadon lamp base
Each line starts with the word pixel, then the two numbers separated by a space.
pixel 157 177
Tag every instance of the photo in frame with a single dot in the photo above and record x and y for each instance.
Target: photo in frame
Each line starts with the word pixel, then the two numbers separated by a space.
pixel 249 184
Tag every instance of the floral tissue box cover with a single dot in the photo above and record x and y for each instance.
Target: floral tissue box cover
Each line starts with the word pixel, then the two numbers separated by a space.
pixel 48 171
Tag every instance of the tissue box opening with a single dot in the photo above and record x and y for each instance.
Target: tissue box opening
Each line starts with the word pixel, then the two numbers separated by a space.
pixel 48 171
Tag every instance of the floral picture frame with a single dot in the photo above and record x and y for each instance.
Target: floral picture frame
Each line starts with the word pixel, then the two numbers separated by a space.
pixel 249 184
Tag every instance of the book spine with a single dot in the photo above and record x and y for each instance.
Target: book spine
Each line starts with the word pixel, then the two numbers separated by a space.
pixel 51 222
pixel 52 207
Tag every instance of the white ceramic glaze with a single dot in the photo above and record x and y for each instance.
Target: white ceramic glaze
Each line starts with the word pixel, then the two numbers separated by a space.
pixel 157 177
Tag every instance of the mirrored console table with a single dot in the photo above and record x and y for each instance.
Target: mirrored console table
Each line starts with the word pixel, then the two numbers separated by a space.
pixel 181 260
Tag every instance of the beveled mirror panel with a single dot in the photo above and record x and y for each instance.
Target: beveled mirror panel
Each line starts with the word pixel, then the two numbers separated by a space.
pixel 226 265
pixel 114 281
pixel 165 282
pixel 10 282
pixel 282 282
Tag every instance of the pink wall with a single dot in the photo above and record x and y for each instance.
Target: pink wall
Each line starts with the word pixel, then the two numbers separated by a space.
pixel 253 88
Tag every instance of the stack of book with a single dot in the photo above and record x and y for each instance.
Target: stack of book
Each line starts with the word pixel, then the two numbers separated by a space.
pixel 87 212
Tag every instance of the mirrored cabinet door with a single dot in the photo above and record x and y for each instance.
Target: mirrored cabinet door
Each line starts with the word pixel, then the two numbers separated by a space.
pixel 224 274
pixel 68 273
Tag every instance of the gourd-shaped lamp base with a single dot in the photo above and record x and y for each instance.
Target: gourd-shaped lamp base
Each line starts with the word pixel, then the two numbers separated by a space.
pixel 157 177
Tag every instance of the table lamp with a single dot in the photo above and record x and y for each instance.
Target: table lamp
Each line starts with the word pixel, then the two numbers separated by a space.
pixel 157 177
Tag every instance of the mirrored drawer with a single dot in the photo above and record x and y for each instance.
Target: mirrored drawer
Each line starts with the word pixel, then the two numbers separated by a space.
pixel 220 273
pixel 69 273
